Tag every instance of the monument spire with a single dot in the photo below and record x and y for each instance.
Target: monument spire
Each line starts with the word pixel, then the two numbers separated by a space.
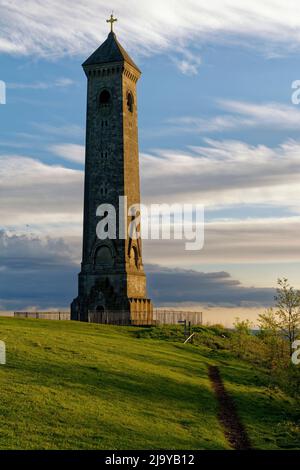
pixel 112 281
pixel 112 20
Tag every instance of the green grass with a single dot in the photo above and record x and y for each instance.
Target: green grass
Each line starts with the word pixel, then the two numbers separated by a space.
pixel 80 386
pixel 270 416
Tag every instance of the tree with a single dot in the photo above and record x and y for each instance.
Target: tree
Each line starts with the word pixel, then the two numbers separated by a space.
pixel 287 311
pixel 242 333
pixel 267 322
pixel 270 334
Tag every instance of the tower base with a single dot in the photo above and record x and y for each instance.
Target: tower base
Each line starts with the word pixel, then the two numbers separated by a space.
pixel 138 313
pixel 104 302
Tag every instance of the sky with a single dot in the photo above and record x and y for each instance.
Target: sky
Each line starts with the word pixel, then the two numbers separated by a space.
pixel 217 126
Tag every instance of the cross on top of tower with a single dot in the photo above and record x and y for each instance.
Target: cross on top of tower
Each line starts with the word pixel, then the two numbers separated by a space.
pixel 112 20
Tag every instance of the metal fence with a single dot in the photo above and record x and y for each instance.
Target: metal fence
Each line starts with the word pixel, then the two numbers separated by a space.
pixel 44 315
pixel 142 318
pixel 145 318
pixel 172 317
pixel 110 317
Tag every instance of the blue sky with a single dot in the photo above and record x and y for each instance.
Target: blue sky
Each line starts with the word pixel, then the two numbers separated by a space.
pixel 216 126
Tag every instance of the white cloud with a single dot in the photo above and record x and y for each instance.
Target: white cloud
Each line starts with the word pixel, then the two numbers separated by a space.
pixel 72 152
pixel 59 129
pixel 225 173
pixel 29 252
pixel 64 82
pixel 37 194
pixel 251 241
pixel 188 63
pixel 58 83
pixel 243 115
pixel 268 115
pixel 57 28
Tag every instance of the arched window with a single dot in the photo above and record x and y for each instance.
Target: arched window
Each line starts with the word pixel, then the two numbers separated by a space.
pixel 130 102
pixel 103 257
pixel 105 98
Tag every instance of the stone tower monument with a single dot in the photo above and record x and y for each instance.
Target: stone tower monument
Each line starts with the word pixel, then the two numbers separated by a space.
pixel 112 282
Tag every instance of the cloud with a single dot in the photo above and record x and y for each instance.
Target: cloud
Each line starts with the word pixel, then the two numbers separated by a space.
pixel 48 198
pixel 34 271
pixel 251 241
pixel 28 252
pixel 61 129
pixel 224 176
pixel 188 62
pixel 72 152
pixel 34 193
pixel 55 28
pixel 175 285
pixel 267 115
pixel 243 115
pixel 224 173
pixel 58 83
pixel 43 272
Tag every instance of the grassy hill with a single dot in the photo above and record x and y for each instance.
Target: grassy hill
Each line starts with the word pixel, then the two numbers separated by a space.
pixel 80 386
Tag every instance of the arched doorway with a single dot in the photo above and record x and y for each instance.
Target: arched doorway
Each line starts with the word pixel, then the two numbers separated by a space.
pixel 99 315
